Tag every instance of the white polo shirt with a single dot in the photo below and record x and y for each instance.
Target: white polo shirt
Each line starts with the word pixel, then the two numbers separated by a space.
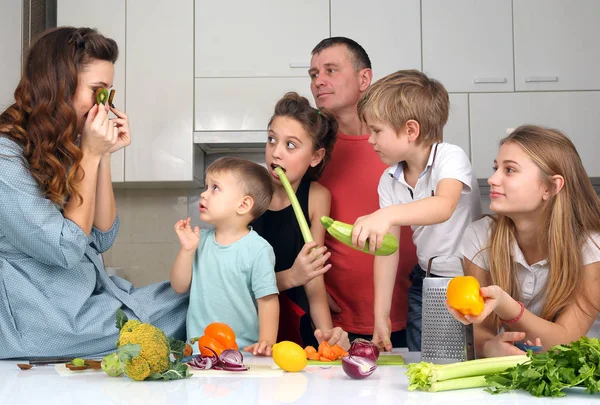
pixel 446 161
pixel 532 278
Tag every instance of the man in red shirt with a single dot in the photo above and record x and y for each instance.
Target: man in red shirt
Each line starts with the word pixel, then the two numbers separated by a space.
pixel 340 71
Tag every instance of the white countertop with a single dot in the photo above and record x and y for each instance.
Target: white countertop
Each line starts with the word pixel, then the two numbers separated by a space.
pixel 314 385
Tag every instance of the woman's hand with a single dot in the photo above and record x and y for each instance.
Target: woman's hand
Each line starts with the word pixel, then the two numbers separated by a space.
pixel 99 134
pixel 122 125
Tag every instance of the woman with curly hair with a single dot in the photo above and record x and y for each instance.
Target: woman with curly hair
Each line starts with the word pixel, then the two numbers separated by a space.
pixel 58 209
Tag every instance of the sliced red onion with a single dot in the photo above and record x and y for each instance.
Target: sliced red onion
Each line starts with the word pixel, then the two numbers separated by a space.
pixel 201 363
pixel 364 348
pixel 229 360
pixel 358 367
pixel 232 356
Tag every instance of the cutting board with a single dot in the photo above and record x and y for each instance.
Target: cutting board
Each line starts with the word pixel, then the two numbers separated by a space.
pixel 254 370
pixel 384 360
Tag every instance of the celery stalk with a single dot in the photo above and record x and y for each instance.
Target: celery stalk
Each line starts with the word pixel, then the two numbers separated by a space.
pixel 459 384
pixel 423 375
pixel 476 367
pixel 295 205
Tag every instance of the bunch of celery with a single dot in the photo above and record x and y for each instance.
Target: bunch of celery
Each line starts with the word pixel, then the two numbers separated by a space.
pixel 468 374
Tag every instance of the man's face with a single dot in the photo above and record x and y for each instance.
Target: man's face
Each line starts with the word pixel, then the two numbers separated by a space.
pixel 334 82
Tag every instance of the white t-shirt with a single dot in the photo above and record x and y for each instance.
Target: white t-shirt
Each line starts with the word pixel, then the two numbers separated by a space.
pixel 446 161
pixel 532 278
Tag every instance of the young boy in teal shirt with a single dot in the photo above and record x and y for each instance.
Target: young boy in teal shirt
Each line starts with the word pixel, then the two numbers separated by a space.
pixel 229 270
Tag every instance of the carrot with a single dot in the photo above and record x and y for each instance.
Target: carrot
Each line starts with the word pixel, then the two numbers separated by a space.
pixel 325 359
pixel 310 350
pixel 313 356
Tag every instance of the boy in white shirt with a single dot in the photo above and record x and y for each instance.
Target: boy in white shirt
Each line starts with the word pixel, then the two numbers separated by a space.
pixel 430 186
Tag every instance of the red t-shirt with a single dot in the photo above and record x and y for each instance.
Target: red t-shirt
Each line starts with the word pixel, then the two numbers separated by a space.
pixel 352 177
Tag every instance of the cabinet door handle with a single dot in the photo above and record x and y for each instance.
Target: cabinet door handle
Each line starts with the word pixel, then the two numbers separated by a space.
pixel 481 80
pixel 299 65
pixel 541 79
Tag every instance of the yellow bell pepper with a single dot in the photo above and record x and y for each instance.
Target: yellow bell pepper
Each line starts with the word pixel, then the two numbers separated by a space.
pixel 464 296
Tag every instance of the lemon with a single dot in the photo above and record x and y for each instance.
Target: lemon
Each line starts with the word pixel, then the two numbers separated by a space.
pixel 289 356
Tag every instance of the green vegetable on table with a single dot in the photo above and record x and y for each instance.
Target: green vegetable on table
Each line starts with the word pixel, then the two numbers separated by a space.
pixel 468 374
pixel 144 353
pixel 343 232
pixel 549 374
pixel 295 205
pixel 78 362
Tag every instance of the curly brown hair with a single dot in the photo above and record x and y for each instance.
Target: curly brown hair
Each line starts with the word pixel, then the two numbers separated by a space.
pixel 43 120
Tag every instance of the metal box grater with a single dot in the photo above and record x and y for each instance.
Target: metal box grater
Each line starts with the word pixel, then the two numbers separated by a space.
pixel 443 338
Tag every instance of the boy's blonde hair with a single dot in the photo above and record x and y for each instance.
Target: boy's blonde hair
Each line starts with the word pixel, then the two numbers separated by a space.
pixel 255 180
pixel 408 95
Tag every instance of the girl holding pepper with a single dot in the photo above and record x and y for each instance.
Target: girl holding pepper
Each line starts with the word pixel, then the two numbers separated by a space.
pixel 538 258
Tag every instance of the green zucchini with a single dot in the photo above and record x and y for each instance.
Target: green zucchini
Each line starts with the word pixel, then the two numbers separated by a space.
pixel 343 233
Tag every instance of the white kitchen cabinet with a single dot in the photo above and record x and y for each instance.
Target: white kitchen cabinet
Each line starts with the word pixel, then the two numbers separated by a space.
pixel 258 38
pixel 10 51
pixel 574 113
pixel 390 31
pixel 556 44
pixel 456 130
pixel 243 104
pixel 160 90
pixel 93 14
pixel 467 44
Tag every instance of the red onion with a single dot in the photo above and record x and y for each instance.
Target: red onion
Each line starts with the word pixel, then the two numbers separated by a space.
pixel 229 360
pixel 201 363
pixel 358 367
pixel 364 348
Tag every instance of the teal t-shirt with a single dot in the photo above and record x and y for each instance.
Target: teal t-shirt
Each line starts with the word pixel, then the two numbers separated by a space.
pixel 227 281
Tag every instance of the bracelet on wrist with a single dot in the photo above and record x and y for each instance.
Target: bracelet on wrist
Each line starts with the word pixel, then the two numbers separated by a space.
pixel 521 312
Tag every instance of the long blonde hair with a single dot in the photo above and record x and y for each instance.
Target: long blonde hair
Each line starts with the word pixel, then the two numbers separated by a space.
pixel 570 217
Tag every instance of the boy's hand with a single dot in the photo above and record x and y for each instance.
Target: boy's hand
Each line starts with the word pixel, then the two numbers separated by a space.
pixel 333 336
pixel 382 333
pixel 310 263
pixel 188 239
pixel 262 348
pixel 372 227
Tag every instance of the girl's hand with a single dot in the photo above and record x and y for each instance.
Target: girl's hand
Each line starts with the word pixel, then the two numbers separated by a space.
pixel 333 336
pixel 262 348
pixel 372 227
pixel 310 263
pixel 122 125
pixel 382 334
pixel 188 239
pixel 494 298
pixel 504 345
pixel 99 135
